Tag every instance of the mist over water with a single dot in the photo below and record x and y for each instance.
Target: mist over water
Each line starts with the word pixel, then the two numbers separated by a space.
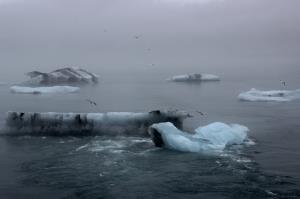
pixel 249 44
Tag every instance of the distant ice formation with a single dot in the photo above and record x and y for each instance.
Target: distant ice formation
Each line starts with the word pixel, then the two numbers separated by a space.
pixel 194 77
pixel 80 124
pixel 44 90
pixel 3 83
pixel 213 137
pixel 64 76
pixel 272 95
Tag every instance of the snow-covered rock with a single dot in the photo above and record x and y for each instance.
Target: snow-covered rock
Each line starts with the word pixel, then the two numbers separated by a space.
pixel 111 123
pixel 64 76
pixel 213 137
pixel 194 77
pixel 272 95
pixel 44 90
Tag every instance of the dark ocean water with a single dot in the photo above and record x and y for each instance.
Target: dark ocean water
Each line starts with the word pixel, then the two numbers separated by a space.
pixel 131 167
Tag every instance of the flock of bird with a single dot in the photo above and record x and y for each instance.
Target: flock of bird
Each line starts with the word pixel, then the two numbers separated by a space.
pixel 93 103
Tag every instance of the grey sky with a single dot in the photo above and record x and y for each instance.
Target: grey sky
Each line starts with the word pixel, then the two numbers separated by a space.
pixel 99 34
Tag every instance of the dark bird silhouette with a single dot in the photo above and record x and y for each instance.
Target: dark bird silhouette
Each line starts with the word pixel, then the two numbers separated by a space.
pixel 283 83
pixel 137 36
pixel 201 113
pixel 92 102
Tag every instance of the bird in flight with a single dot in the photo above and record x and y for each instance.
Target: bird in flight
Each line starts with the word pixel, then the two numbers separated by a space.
pixel 92 102
pixel 137 36
pixel 201 113
pixel 283 82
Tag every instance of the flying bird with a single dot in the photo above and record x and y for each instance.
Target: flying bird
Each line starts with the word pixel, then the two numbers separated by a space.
pixel 201 113
pixel 92 102
pixel 283 83
pixel 137 36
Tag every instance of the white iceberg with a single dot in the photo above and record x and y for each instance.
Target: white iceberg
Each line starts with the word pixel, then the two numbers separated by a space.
pixel 64 76
pixel 111 123
pixel 194 77
pixel 44 90
pixel 272 95
pixel 213 137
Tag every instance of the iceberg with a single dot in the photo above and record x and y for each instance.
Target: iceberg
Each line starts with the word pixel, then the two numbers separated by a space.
pixel 213 137
pixel 81 124
pixel 64 76
pixel 44 90
pixel 272 95
pixel 194 77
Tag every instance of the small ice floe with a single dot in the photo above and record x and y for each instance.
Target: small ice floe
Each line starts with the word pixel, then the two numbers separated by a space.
pixel 195 77
pixel 80 124
pixel 272 95
pixel 44 90
pixel 213 137
pixel 64 76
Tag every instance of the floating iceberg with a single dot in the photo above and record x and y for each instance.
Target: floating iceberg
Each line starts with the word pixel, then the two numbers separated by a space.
pixel 44 90
pixel 64 76
pixel 213 137
pixel 194 77
pixel 80 124
pixel 272 95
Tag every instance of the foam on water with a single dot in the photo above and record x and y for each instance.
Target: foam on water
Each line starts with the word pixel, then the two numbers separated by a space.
pixel 272 95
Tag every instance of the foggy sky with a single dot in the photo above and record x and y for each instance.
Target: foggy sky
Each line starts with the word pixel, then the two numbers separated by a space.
pixel 184 35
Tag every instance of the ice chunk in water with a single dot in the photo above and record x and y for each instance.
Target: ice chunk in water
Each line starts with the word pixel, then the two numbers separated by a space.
pixel 194 77
pixel 44 90
pixel 213 137
pixel 272 95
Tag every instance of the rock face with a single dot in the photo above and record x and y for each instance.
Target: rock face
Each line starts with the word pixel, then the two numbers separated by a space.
pixel 195 77
pixel 81 124
pixel 64 76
